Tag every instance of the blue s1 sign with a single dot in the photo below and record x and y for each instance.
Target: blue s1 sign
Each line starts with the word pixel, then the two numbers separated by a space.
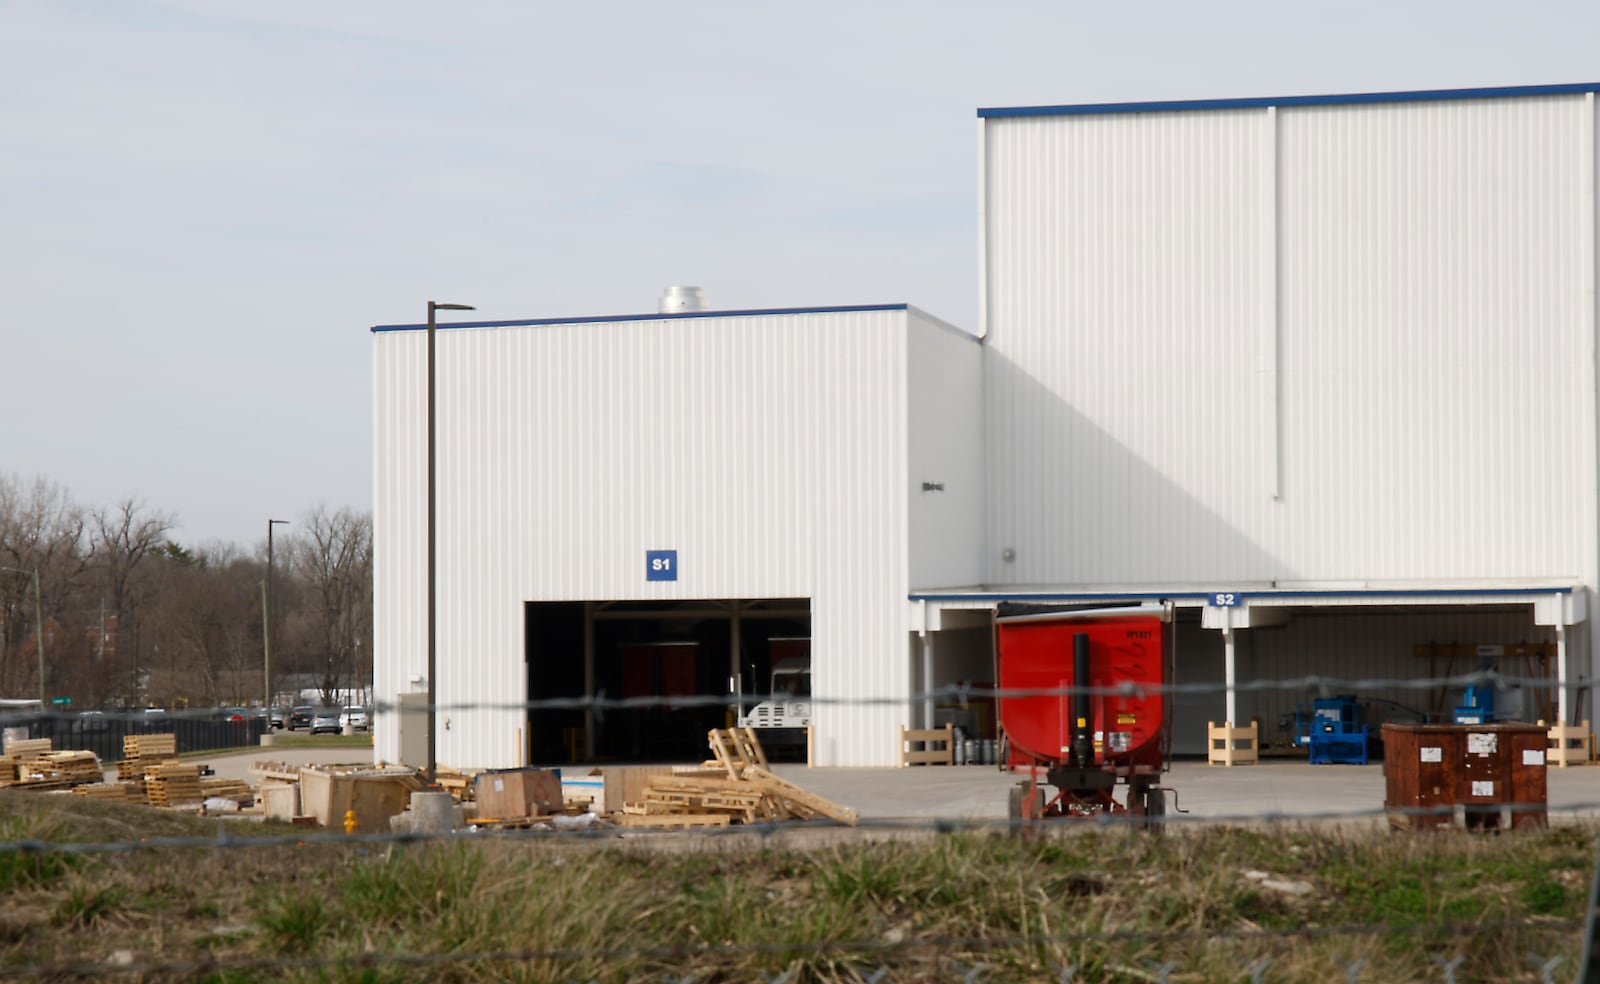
pixel 661 565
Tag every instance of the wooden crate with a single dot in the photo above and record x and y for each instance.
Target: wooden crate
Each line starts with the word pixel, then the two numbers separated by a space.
pixel 528 792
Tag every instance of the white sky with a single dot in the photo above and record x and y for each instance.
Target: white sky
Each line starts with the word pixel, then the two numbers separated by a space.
pixel 204 205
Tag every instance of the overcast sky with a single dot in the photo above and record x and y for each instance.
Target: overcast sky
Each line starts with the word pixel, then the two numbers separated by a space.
pixel 206 205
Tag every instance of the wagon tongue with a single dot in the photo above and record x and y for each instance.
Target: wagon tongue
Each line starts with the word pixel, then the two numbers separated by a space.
pixel 1082 733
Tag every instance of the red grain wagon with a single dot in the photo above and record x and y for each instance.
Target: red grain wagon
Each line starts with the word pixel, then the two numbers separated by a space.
pixel 1082 702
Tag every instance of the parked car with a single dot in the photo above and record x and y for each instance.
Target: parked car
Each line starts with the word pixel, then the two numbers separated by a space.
pixel 300 717
pixel 275 719
pixel 355 717
pixel 233 714
pixel 325 720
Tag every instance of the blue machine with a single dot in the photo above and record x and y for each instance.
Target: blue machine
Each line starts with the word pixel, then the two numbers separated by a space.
pixel 1337 732
pixel 1477 706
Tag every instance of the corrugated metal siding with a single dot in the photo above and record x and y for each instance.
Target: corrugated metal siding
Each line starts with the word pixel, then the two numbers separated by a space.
pixel 768 451
pixel 399 531
pixel 945 440
pixel 1434 340
pixel 1124 304
pixel 1376 312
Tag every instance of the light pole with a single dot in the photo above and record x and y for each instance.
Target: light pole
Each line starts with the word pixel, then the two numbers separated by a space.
pixel 38 617
pixel 433 581
pixel 266 626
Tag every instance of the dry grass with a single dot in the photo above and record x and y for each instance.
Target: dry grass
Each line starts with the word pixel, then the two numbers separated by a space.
pixel 1213 902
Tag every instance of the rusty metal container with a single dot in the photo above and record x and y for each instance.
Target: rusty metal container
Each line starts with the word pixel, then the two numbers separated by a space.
pixel 1421 763
pixel 1477 776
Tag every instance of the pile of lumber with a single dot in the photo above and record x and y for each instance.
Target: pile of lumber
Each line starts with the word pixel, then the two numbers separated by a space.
pixel 459 785
pixel 213 787
pixel 33 764
pixel 734 787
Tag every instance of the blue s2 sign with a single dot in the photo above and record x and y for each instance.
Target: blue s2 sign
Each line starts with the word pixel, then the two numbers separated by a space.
pixel 661 565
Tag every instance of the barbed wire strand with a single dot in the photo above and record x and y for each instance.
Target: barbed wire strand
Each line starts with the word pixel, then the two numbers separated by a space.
pixel 959 694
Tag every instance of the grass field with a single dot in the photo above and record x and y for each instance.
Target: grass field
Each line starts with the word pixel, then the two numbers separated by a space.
pixel 1205 903
pixel 296 739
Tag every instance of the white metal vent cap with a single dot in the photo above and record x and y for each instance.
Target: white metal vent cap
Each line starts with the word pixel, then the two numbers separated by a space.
pixel 675 300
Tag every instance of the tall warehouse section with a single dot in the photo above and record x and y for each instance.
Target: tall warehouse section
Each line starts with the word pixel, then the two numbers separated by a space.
pixel 1329 361
pixel 1320 371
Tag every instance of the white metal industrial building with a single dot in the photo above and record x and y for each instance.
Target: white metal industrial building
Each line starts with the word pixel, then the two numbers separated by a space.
pixel 1319 370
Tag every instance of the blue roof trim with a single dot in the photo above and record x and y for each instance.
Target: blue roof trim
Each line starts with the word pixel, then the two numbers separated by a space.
pixel 1244 592
pixel 1343 99
pixel 678 316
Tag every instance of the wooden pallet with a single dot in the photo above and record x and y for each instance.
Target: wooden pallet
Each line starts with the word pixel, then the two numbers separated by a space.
pixel 119 792
pixel 673 820
pixel 276 770
pixel 506 823
pixel 736 749
pixel 233 789
pixel 149 746
pixel 801 801
pixel 24 748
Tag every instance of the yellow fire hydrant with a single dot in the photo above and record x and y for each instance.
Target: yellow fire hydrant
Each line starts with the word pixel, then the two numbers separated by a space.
pixel 350 824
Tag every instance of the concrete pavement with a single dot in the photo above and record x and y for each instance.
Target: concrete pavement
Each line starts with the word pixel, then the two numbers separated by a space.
pixel 1291 788
pixel 235 764
pixel 1272 788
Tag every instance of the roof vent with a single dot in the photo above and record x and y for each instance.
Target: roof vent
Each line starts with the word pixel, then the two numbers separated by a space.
pixel 676 300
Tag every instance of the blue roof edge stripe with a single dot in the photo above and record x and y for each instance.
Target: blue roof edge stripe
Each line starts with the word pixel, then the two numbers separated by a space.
pixel 676 316
pixel 1341 99
pixel 1243 592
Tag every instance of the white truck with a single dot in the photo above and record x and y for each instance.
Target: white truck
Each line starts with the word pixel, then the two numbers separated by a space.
pixel 783 717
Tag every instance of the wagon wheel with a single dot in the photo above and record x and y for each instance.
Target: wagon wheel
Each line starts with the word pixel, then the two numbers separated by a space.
pixel 1148 802
pixel 1026 803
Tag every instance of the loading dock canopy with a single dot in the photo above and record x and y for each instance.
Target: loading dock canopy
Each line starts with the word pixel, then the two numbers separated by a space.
pixel 1554 604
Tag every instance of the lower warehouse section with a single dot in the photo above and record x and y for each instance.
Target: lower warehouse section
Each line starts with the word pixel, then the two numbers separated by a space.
pixel 680 669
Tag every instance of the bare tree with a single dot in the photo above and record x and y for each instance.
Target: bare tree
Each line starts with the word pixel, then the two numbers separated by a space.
pixel 333 556
pixel 121 540
pixel 41 531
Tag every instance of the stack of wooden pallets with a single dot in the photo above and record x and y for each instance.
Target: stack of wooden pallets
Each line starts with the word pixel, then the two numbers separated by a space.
pixel 138 747
pixel 733 787
pixel 171 783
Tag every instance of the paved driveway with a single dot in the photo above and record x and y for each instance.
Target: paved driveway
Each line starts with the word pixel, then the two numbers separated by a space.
pixel 1273 788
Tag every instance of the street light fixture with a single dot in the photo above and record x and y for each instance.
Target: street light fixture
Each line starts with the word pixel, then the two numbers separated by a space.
pixel 266 625
pixel 433 581
pixel 38 617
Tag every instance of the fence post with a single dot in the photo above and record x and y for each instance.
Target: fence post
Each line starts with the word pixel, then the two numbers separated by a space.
pixel 1589 966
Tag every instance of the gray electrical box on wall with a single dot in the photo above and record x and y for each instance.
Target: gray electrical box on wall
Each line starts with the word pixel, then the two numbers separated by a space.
pixel 415 720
